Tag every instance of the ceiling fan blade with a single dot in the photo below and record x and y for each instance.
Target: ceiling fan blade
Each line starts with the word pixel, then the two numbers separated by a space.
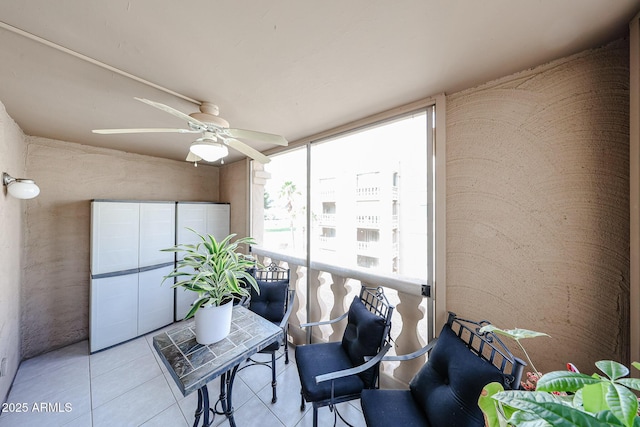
pixel 172 111
pixel 142 130
pixel 257 136
pixel 246 150
pixel 192 157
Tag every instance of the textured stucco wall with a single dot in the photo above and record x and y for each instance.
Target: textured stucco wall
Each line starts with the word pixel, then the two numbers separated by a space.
pixel 12 161
pixel 538 206
pixel 55 292
pixel 233 189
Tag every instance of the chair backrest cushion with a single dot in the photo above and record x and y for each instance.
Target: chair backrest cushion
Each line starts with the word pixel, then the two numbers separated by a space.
pixel 362 337
pixel 270 303
pixel 448 386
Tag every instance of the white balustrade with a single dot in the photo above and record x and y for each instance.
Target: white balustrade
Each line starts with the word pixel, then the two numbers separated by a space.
pixel 325 291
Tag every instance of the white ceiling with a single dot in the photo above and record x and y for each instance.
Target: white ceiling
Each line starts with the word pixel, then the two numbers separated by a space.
pixel 291 67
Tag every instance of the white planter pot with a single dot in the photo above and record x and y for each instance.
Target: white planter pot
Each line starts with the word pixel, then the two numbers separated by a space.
pixel 213 323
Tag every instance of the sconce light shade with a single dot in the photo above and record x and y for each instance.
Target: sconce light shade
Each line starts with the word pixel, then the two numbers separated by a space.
pixel 208 149
pixel 20 188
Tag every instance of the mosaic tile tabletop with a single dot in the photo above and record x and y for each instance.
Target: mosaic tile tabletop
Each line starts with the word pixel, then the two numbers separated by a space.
pixel 192 365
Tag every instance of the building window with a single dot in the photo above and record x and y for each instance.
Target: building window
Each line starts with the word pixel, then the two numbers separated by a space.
pixel 367 261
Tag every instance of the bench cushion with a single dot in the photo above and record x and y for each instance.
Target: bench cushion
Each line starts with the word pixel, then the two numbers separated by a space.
pixel 448 386
pixel 386 408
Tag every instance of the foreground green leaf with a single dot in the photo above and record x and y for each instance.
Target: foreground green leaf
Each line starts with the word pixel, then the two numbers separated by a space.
pixel 546 408
pixel 490 407
pixel 623 403
pixel 613 370
pixel 594 397
pixel 565 381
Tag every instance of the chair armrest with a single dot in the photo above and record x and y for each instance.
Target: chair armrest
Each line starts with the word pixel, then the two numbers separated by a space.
pixel 356 370
pixel 285 319
pixel 325 322
pixel 413 355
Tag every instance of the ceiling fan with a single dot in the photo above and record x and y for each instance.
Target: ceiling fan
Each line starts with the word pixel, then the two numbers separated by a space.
pixel 216 134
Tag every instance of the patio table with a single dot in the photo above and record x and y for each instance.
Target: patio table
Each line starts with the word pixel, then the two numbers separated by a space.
pixel 193 365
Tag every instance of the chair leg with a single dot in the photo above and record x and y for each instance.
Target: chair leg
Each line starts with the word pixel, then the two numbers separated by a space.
pixel 274 397
pixel 315 416
pixel 286 345
pixel 302 404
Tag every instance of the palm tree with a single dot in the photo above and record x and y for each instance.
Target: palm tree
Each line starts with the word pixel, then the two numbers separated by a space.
pixel 289 193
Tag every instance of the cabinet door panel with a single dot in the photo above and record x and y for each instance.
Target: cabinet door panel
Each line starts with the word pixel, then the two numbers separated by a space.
pixel 155 300
pixel 194 216
pixel 218 221
pixel 114 236
pixel 114 310
pixel 157 231
pixel 184 299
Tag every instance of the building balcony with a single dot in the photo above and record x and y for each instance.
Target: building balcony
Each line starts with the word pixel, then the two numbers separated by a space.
pixel 368 221
pixel 328 194
pixel 325 242
pixel 327 219
pixel 369 248
pixel 368 193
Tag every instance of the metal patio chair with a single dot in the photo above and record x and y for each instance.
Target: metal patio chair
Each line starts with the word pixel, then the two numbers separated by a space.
pixel 445 391
pixel 274 303
pixel 335 372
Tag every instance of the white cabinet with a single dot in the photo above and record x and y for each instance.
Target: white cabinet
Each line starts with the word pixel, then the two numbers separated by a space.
pixel 128 298
pixel 205 218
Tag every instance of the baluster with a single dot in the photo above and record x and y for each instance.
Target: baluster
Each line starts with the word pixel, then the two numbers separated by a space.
pixel 315 303
pixel 408 341
pixel 298 315
pixel 259 258
pixel 339 293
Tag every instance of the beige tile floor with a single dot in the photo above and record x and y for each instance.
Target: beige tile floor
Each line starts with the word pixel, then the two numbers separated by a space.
pixel 127 385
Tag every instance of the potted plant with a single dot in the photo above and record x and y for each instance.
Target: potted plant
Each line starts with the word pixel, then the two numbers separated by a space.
pixel 565 398
pixel 215 271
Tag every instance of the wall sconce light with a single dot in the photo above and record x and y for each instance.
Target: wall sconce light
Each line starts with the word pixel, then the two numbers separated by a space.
pixel 20 188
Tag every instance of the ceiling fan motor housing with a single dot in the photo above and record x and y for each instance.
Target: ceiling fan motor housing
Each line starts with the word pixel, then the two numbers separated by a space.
pixel 209 114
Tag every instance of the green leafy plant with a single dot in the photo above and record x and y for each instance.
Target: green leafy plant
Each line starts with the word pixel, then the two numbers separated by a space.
pixel 215 270
pixel 583 400
pixel 516 334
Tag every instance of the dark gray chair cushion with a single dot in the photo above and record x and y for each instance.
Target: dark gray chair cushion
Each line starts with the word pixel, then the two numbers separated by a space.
pixel 317 359
pixel 391 408
pixel 448 386
pixel 362 337
pixel 270 303
pixel 444 392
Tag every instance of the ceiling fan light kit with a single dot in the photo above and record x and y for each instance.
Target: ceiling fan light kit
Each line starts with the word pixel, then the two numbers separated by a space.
pixel 216 134
pixel 208 149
